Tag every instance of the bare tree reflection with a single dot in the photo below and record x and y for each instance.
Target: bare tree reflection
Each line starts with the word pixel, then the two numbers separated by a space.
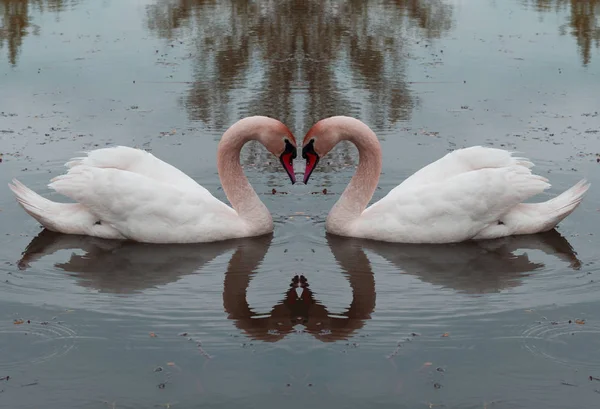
pixel 300 52
pixel 16 21
pixel 582 23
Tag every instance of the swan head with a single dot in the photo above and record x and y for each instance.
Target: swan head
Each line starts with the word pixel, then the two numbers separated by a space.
pixel 274 135
pixel 280 141
pixel 277 139
pixel 319 140
pixel 325 134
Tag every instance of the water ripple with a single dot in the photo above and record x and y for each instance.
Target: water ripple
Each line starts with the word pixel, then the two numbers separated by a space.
pixel 573 342
pixel 39 342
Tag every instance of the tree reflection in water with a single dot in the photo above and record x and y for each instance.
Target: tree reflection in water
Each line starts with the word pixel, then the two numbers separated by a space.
pixel 582 22
pixel 318 54
pixel 16 21
pixel 299 60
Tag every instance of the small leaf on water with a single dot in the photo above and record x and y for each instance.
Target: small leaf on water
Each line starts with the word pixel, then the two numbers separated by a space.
pixel 18 322
pixel 153 335
pixel 580 322
pixel 171 363
pixel 445 334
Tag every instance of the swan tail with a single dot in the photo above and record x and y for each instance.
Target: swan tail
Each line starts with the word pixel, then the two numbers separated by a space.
pixel 67 218
pixel 531 218
pixel 46 212
pixel 555 210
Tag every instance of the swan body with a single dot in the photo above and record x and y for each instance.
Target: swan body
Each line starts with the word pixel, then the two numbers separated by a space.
pixel 127 193
pixel 472 193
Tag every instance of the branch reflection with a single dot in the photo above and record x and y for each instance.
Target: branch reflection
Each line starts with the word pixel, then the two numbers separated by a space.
pixel 300 52
pixel 582 22
pixel 16 21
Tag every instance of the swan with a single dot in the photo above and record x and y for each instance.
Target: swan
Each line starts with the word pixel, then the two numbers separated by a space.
pixel 127 193
pixel 472 193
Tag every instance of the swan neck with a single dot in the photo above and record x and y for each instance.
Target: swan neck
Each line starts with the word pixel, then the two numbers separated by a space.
pixel 358 193
pixel 236 186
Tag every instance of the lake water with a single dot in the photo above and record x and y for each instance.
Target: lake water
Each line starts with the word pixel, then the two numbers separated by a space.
pixel 511 323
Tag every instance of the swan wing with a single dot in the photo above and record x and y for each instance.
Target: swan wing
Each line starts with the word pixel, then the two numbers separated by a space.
pixel 461 161
pixel 136 161
pixel 452 210
pixel 147 210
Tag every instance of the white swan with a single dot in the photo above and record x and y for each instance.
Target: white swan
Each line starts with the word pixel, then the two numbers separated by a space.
pixel 126 193
pixel 472 193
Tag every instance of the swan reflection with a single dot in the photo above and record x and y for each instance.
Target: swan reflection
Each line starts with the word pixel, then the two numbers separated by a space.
pixel 116 266
pixel 125 267
pixel 128 267
pixel 477 267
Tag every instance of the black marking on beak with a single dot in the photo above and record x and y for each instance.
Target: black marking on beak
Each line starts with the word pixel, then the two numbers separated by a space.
pixel 312 158
pixel 287 160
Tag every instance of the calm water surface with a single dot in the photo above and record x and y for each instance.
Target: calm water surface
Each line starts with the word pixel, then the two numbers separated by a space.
pixel 125 325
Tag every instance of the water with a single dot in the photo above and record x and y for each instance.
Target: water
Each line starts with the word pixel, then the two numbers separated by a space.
pixel 510 323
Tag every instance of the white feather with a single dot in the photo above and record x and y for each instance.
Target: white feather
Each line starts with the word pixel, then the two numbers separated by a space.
pixel 472 193
pixel 126 193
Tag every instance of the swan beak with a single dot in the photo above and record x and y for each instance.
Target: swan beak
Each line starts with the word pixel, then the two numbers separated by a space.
pixel 312 158
pixel 287 160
